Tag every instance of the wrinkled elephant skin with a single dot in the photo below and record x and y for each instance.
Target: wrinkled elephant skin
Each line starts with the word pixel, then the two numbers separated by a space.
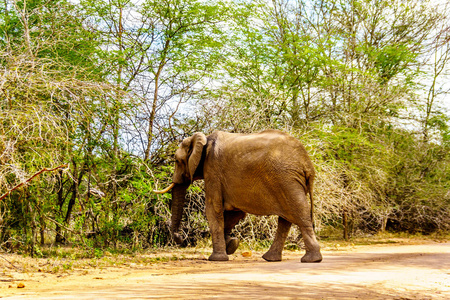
pixel 267 173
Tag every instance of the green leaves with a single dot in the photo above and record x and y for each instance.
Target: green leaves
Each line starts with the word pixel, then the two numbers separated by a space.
pixel 113 86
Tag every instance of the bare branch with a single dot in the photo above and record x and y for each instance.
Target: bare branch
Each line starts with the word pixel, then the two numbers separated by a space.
pixel 31 178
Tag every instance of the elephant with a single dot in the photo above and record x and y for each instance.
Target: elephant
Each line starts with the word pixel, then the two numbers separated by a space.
pixel 265 173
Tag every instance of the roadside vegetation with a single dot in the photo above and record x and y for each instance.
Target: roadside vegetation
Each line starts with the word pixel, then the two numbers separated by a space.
pixel 96 95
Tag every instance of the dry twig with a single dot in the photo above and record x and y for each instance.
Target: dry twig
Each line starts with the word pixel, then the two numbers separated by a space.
pixel 31 178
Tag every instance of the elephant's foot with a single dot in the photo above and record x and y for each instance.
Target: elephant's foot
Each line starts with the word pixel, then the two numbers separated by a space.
pixel 312 257
pixel 272 256
pixel 218 257
pixel 232 244
pixel 177 238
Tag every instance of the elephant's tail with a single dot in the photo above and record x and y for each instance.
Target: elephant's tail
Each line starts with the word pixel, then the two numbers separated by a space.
pixel 310 188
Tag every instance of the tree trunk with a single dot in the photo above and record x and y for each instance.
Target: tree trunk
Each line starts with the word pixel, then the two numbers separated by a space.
pixel 32 217
pixel 345 223
pixel 59 236
pixel 151 120
pixel 42 230
pixel 384 223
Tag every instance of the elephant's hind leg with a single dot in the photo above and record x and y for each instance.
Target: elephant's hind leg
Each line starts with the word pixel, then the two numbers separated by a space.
pixel 301 216
pixel 312 246
pixel 274 253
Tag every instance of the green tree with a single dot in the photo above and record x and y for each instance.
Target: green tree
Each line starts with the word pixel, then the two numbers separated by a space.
pixel 51 90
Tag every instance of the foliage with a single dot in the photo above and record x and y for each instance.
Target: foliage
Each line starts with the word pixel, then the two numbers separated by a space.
pixel 111 88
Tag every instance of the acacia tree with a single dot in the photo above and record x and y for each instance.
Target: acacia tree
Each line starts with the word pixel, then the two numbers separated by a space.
pixel 52 95
pixel 433 117
pixel 164 51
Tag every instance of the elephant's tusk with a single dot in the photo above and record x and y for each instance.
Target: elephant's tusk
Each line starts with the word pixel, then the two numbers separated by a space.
pixel 164 190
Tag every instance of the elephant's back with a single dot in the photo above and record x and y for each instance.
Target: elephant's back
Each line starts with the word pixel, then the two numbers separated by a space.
pixel 271 149
pixel 270 158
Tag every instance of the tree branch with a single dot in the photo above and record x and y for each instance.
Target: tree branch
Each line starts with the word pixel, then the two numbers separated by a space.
pixel 31 178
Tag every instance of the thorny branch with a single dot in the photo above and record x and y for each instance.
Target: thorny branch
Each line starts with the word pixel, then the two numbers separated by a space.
pixel 31 178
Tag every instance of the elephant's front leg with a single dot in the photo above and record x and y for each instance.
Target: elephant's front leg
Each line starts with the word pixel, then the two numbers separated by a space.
pixel 231 219
pixel 214 214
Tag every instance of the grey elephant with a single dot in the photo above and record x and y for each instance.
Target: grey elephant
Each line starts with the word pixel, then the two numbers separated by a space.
pixel 267 173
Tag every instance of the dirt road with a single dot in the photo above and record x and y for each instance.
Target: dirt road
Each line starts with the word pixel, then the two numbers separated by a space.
pixel 365 272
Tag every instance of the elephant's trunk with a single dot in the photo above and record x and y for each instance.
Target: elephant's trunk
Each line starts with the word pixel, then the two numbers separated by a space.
pixel 178 198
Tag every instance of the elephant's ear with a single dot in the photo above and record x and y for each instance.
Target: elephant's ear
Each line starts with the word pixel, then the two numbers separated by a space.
pixel 198 142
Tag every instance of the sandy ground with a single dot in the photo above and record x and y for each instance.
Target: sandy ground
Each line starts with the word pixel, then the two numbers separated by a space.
pixel 361 272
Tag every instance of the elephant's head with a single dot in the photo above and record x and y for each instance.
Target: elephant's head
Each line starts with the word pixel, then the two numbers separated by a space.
pixel 188 159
